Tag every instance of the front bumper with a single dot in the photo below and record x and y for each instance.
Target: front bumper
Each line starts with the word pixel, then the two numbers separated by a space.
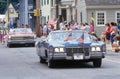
pixel 76 56
pixel 21 41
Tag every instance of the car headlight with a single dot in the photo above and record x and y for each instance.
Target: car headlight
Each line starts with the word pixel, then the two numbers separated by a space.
pixel 95 49
pixel 98 49
pixel 9 37
pixel 59 49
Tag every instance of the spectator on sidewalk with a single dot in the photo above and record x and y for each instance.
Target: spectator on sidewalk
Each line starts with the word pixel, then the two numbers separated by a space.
pixel 107 32
pixel 113 32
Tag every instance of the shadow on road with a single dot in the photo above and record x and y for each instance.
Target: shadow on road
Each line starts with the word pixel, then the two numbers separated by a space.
pixel 71 64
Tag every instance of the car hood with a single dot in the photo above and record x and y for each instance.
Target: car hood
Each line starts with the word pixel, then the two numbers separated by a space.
pixel 74 44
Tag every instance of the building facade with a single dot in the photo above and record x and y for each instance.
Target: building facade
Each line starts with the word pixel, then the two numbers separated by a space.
pixel 103 11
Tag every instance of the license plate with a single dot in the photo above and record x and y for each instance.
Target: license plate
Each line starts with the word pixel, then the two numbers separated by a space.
pixel 78 56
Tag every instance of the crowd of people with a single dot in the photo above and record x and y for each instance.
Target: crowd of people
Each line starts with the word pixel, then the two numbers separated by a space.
pixel 112 30
pixel 112 34
pixel 109 36
pixel 46 28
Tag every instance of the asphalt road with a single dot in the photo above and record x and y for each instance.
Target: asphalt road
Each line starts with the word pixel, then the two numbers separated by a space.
pixel 23 63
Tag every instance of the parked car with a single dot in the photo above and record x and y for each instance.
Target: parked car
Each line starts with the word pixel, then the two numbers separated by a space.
pixel 75 45
pixel 19 36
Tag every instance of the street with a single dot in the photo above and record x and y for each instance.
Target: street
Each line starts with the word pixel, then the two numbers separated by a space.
pixel 23 63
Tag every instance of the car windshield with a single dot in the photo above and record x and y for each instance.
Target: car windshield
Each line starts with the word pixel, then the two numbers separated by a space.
pixel 79 36
pixel 21 31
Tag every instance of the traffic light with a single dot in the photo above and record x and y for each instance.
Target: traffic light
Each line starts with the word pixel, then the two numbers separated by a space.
pixel 35 12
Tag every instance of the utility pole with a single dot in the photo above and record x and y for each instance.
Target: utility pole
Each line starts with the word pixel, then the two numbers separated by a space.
pixel 37 19
pixel 75 10
pixel 57 13
pixel 8 10
pixel 8 16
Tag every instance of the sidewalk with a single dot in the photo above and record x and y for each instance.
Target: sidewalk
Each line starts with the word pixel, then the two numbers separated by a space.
pixel 109 47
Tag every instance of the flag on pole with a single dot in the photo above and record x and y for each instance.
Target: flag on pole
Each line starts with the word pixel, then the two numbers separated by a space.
pixel 81 38
pixel 93 19
pixel 52 21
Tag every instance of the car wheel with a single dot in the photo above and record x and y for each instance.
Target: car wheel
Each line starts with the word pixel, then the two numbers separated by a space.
pixel 97 62
pixel 33 45
pixel 9 45
pixel 42 60
pixel 50 63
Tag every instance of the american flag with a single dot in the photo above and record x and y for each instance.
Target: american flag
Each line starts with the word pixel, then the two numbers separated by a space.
pixel 52 21
pixel 81 39
pixel 69 37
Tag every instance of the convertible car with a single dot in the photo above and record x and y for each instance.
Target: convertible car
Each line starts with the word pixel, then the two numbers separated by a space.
pixel 21 36
pixel 75 45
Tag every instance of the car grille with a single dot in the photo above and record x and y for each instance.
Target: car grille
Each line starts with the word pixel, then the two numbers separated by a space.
pixel 22 38
pixel 71 51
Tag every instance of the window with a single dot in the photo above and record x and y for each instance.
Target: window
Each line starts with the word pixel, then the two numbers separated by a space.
pixel 11 10
pixel 48 18
pixel 117 16
pixel 48 2
pixel 101 18
pixel 52 3
pixel 44 2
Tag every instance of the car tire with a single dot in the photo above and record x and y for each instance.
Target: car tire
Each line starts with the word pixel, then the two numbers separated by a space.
pixel 9 45
pixel 50 63
pixel 42 60
pixel 97 62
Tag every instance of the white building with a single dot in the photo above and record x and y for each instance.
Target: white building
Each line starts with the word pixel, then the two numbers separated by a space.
pixel 48 10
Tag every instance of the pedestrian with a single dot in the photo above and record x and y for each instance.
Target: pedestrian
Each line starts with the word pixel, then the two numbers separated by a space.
pixel 41 30
pixel 82 26
pixel 44 30
pixel 118 28
pixel 116 44
pixel 61 26
pixel 23 26
pixel 87 27
pixel 107 33
pixel 113 32
pixel 91 27
pixel 27 26
pixel 48 28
